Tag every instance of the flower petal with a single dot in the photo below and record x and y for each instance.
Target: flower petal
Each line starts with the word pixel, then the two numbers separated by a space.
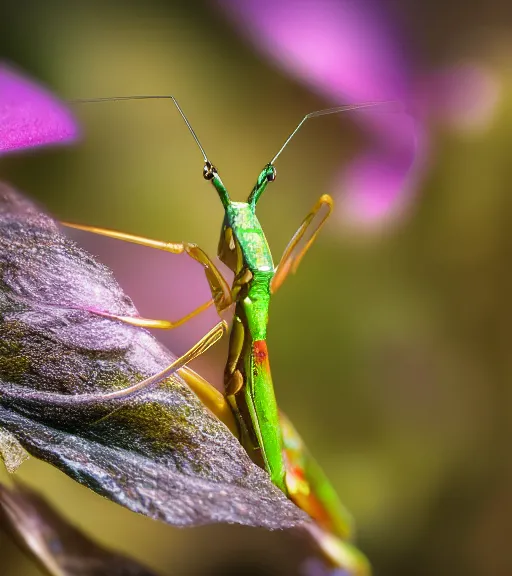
pixel 377 186
pixel 354 51
pixel 350 52
pixel 346 50
pixel 29 115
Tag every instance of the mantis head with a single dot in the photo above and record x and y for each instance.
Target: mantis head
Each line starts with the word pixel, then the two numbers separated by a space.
pixel 268 174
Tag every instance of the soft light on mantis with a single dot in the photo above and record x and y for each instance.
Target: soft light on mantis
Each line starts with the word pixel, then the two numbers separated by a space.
pixel 248 406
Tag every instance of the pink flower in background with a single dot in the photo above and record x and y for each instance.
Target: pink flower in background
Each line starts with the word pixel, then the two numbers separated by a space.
pixel 29 115
pixel 352 51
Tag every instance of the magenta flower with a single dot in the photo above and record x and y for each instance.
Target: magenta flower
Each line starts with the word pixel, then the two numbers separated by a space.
pixel 29 115
pixel 352 51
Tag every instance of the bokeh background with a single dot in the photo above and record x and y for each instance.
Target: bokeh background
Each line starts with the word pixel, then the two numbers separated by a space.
pixel 390 348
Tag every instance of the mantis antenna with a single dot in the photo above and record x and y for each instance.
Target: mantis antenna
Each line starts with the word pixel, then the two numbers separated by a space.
pixel 117 98
pixel 209 170
pixel 389 106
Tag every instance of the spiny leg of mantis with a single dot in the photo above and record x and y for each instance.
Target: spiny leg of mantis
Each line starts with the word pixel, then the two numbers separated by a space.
pixel 301 241
pixel 221 292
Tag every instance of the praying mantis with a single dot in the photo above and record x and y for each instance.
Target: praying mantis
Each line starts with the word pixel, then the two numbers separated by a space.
pixel 248 406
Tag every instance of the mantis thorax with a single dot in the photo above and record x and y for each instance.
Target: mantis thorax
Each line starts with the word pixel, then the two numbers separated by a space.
pixel 242 245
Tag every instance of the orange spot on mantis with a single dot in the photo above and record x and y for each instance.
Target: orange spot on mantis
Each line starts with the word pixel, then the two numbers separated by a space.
pixel 303 493
pixel 260 352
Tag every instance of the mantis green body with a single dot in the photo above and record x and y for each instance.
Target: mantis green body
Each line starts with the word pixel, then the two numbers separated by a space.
pixel 248 383
pixel 253 414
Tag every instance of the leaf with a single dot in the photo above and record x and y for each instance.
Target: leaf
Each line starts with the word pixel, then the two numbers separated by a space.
pixel 57 546
pixel 162 454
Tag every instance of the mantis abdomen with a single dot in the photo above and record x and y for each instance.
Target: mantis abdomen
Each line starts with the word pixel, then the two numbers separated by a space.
pixel 248 379
pixel 261 401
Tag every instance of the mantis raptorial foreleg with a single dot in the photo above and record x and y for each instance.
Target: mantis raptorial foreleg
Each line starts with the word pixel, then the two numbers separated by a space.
pixel 301 242
pixel 221 292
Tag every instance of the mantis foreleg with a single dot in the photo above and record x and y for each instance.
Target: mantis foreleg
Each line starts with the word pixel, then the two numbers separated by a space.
pixel 301 241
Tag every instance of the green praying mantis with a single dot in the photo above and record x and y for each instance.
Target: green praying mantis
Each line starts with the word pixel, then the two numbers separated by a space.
pixel 248 406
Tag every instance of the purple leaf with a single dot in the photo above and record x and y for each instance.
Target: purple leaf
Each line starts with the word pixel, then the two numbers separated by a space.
pixel 30 116
pixel 162 453
pixel 57 546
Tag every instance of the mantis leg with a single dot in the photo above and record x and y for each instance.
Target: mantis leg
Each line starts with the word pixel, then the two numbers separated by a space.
pixel 221 292
pixel 302 240
pixel 148 322
pixel 144 385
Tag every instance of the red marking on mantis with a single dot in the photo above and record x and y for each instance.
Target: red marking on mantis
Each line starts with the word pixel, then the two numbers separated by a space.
pixel 260 352
pixel 303 493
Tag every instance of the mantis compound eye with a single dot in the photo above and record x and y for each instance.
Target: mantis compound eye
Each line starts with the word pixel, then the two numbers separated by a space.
pixel 271 174
pixel 209 171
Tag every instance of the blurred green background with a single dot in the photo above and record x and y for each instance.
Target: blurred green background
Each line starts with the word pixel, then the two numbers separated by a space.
pixel 389 349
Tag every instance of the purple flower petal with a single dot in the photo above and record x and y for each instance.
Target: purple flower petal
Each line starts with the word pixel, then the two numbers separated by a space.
pixel 377 185
pixel 343 48
pixel 30 115
pixel 371 183
pixel 351 51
